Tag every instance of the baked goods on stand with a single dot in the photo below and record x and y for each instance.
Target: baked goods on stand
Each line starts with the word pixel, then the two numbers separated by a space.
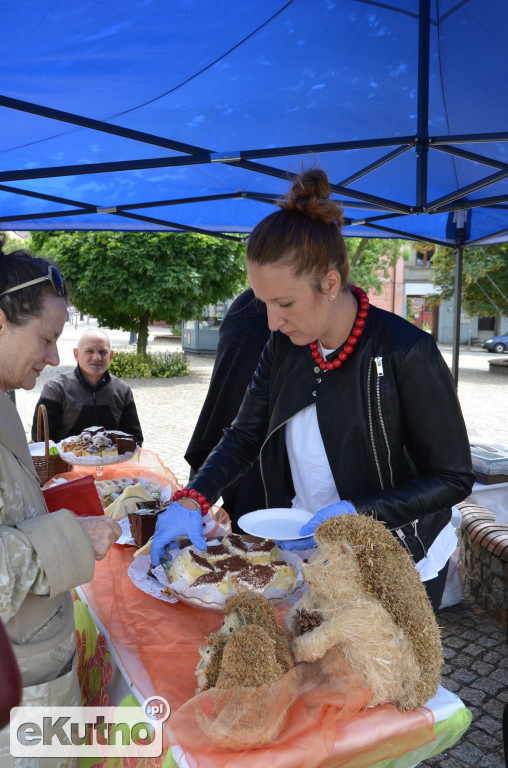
pixel 96 446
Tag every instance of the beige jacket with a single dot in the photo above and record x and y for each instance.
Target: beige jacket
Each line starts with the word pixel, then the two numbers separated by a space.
pixel 42 556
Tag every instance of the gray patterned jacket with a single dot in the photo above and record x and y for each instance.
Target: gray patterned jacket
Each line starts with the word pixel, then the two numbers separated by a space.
pixel 41 557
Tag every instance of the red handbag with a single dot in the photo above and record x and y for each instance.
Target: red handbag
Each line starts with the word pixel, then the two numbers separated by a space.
pixel 80 496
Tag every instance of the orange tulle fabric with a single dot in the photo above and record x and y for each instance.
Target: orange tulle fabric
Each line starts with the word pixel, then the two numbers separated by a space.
pixel 145 464
pixel 313 717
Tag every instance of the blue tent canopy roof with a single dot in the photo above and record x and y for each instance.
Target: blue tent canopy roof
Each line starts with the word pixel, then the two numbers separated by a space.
pixel 163 115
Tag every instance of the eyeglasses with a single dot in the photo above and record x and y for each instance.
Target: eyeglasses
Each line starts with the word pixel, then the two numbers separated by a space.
pixel 53 276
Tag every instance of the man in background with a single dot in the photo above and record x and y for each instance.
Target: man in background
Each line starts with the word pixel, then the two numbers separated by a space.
pixel 89 395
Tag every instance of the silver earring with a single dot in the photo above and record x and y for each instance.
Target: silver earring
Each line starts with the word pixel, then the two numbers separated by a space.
pixel 332 296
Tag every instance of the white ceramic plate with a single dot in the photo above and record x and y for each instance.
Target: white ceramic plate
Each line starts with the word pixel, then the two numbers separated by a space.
pixel 278 523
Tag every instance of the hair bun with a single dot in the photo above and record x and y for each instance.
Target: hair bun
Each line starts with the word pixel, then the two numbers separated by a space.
pixel 310 195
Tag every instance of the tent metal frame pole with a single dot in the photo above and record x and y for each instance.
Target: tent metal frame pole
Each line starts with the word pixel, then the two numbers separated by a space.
pixel 422 148
pixel 459 256
pixel 479 202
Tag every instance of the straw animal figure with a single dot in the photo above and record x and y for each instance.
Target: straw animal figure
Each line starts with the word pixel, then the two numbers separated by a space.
pixel 365 597
pixel 249 650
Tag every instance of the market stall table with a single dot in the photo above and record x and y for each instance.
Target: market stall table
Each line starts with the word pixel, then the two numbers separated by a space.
pixel 154 645
pixel 494 497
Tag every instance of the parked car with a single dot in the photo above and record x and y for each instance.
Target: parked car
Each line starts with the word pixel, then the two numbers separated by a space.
pixel 496 344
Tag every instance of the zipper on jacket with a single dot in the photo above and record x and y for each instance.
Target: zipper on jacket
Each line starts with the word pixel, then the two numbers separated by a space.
pixel 380 373
pixel 402 536
pixel 371 428
pixel 410 462
pixel 41 627
pixel 417 536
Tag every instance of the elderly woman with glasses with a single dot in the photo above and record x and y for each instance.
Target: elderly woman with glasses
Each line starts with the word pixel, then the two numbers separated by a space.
pixel 41 555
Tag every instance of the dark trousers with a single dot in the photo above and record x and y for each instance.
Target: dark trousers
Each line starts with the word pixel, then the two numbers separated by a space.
pixel 435 587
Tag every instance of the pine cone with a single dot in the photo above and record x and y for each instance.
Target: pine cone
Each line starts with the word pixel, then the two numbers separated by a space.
pixel 305 621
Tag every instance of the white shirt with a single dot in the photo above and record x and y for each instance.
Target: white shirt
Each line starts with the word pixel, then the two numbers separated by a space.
pixel 315 487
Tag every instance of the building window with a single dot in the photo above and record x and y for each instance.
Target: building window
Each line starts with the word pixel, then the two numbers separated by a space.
pixel 486 323
pixel 424 257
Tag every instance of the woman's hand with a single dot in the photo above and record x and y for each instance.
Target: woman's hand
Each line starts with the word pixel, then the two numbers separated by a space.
pixel 298 544
pixel 103 532
pixel 333 510
pixel 181 518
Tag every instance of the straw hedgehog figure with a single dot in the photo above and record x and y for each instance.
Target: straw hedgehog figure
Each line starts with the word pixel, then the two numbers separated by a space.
pixel 250 649
pixel 366 598
pixel 208 667
pixel 252 608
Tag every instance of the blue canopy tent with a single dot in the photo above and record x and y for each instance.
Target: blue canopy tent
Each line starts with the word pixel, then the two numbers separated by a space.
pixel 170 115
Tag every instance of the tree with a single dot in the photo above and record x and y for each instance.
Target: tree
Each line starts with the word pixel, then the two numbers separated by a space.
pixel 11 243
pixel 484 278
pixel 126 279
pixel 371 258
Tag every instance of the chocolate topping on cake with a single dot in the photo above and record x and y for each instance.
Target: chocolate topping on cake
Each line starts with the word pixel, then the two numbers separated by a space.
pixel 213 577
pixel 200 560
pixel 235 541
pixel 257 577
pixel 153 505
pixel 265 545
pixel 142 524
pixel 233 564
pixel 217 550
pixel 125 444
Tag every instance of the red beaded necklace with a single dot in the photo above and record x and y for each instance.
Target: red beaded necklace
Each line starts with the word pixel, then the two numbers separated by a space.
pixel 352 341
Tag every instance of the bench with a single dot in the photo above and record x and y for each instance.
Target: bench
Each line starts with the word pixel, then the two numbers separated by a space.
pixel 499 367
pixel 483 558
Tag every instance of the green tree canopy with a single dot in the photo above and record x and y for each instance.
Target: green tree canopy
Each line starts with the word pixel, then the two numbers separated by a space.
pixel 484 278
pixel 11 243
pixel 371 258
pixel 126 279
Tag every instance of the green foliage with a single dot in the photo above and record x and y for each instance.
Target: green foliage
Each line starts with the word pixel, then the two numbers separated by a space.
pixel 126 279
pixel 484 278
pixel 11 243
pixel 129 365
pixel 371 258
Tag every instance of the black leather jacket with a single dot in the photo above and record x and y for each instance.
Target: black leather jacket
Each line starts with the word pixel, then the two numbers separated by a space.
pixel 389 418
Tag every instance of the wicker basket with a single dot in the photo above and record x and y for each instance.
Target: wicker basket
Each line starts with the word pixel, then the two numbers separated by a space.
pixel 47 466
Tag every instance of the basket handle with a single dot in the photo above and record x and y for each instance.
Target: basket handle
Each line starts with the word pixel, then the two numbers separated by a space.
pixel 42 412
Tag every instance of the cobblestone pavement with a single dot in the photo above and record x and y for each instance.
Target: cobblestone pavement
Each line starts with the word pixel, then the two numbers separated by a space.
pixel 474 646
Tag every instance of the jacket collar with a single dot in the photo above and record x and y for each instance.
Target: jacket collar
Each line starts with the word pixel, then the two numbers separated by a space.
pixel 86 384
pixel 298 381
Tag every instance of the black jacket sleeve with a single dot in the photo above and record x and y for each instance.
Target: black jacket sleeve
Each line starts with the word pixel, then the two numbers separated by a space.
pixel 129 422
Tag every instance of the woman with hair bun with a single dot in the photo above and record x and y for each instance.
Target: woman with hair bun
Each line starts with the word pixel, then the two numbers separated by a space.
pixel 42 555
pixel 352 409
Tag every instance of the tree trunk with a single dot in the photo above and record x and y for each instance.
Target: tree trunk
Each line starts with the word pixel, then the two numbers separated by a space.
pixel 143 335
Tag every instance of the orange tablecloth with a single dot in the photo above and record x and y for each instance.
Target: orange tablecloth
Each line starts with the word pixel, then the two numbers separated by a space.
pixel 157 644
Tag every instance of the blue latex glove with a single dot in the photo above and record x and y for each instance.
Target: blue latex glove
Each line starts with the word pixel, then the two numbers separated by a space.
pixel 333 510
pixel 176 521
pixel 297 543
pixel 339 508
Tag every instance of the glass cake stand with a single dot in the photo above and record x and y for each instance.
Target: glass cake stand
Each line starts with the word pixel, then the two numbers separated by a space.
pixel 99 462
